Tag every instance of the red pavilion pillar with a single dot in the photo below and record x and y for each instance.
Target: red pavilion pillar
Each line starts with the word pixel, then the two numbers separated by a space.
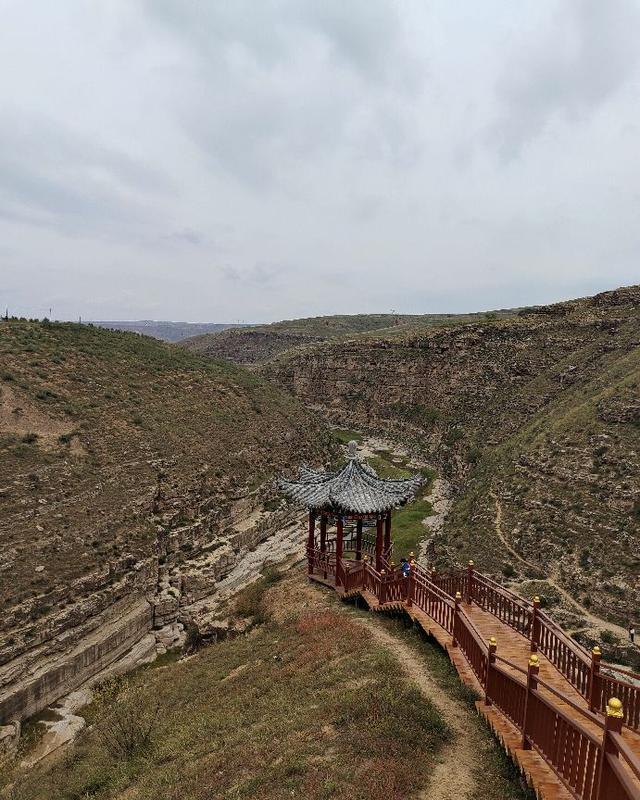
pixel 379 544
pixel 387 532
pixel 339 546
pixel 311 542
pixel 323 542
pixel 359 540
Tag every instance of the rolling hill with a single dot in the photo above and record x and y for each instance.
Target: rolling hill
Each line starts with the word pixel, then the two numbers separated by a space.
pixel 165 330
pixel 133 477
pixel 257 344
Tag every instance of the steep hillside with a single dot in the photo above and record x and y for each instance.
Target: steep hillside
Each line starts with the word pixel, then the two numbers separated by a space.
pixel 535 420
pixel 260 343
pixel 132 479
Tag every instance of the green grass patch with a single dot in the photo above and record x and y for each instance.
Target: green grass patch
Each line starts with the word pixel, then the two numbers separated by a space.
pixel 407 529
pixel 345 436
pixel 385 467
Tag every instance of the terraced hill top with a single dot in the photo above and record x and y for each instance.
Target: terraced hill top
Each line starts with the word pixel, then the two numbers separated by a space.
pixel 259 343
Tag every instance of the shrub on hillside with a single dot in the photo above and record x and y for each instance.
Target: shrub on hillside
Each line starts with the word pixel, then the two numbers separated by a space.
pixel 126 719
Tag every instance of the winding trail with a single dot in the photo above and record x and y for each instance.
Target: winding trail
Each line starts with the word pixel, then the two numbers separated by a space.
pixel 445 783
pixel 551 578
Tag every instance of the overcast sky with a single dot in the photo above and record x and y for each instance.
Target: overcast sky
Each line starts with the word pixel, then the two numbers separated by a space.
pixel 262 159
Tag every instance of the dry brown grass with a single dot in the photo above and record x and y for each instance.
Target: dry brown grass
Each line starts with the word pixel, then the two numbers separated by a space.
pixel 310 707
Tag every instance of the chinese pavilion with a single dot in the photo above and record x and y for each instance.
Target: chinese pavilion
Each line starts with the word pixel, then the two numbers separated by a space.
pixel 348 504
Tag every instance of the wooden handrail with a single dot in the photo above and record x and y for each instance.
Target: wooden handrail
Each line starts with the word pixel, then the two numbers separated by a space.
pixel 620 671
pixel 474 630
pixel 510 664
pixel 478 576
pixel 553 625
pixel 593 766
pixel 629 756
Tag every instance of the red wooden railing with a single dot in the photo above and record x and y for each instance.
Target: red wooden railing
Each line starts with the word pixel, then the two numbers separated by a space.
pixel 596 765
pixel 572 660
pixel 567 656
pixel 503 604
pixel 608 686
pixel 353 575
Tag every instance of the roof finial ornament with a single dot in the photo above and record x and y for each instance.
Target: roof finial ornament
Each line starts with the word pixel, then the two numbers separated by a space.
pixel 352 448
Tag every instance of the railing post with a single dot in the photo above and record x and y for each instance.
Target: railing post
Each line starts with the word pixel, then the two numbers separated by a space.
pixel 434 574
pixel 535 625
pixel 612 724
pixel 594 679
pixel 382 597
pixel 469 582
pixel 532 683
pixel 456 617
pixel 410 582
pixel 491 660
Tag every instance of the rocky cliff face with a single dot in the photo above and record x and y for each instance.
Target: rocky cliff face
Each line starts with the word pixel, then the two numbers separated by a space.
pixel 134 478
pixel 535 421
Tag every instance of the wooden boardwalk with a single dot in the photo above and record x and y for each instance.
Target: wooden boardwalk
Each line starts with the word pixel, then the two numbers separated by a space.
pixel 536 708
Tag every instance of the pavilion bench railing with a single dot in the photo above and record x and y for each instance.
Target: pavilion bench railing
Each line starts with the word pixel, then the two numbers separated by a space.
pixel 353 575
pixel 349 544
pixel 596 682
pixel 321 563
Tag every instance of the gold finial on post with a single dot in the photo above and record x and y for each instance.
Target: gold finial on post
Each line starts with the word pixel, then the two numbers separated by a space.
pixel 536 600
pixel 614 708
pixel 534 661
pixel 596 651
pixel 470 562
pixel 458 596
pixel 493 640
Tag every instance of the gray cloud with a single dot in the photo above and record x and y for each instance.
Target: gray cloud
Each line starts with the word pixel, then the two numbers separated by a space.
pixel 54 177
pixel 582 56
pixel 213 161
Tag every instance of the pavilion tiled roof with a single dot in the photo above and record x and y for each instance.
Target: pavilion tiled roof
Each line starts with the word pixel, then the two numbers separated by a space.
pixel 355 489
